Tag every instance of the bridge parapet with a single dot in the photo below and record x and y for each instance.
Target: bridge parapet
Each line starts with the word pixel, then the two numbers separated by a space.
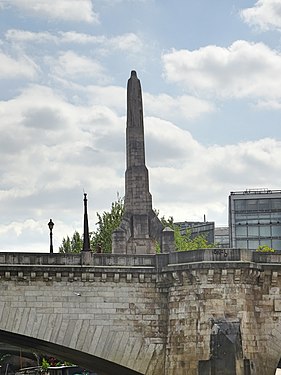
pixel 206 265
pixel 270 258
pixel 144 311
pixel 157 261
pixel 211 255
pixel 89 259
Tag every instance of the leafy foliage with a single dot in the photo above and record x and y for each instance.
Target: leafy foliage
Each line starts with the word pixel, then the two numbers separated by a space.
pixel 100 239
pixel 53 362
pixel 107 223
pixel 73 245
pixel 185 242
pixel 45 364
pixel 265 249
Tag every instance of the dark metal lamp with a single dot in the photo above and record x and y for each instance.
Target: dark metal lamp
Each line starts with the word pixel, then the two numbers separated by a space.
pixel 51 226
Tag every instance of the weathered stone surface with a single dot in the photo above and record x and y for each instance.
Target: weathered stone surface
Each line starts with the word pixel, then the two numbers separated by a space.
pixel 151 314
pixel 140 229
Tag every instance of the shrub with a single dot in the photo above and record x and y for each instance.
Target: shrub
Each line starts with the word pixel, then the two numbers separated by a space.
pixel 265 249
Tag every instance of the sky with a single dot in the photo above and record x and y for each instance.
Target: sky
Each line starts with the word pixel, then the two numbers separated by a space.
pixel 211 79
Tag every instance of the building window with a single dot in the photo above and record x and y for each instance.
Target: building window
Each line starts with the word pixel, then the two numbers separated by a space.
pixel 253 231
pixel 276 217
pixel 241 244
pixel 265 231
pixel 264 205
pixel 264 218
pixel 276 244
pixel 255 218
pixel 253 245
pixel 241 231
pixel 240 205
pixel 241 219
pixel 276 230
pixel 252 219
pixel 276 204
pixel 251 205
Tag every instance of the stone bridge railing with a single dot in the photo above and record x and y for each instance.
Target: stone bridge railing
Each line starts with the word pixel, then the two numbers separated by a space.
pixel 144 312
pixel 158 261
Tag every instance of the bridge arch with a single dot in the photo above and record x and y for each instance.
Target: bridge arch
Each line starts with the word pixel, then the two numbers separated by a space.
pixel 85 360
pixel 145 313
pixel 114 313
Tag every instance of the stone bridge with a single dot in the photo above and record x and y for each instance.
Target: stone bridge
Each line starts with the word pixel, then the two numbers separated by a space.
pixel 206 312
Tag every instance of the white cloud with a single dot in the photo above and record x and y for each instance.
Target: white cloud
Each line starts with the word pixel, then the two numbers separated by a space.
pixel 23 36
pixel 185 106
pixel 42 135
pixel 17 228
pixel 64 10
pixel 55 143
pixel 81 38
pixel 179 109
pixel 169 146
pixel 113 97
pixel 268 104
pixel 33 235
pixel 74 66
pixel 114 2
pixel 129 42
pixel 51 150
pixel 243 70
pixel 19 67
pixel 265 14
pixel 200 178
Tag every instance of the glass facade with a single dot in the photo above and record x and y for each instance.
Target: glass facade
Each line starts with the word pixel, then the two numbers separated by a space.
pixel 207 229
pixel 255 219
pixel 222 237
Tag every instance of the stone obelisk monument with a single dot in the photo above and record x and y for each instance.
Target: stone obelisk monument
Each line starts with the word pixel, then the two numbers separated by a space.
pixel 140 230
pixel 86 235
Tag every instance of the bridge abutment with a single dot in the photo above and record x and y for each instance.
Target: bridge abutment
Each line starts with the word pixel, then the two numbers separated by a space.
pixel 203 312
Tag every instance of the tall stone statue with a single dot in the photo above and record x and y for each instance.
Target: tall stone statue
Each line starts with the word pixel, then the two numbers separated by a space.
pixel 140 231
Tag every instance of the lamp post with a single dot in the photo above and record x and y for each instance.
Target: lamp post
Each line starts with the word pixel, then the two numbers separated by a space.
pixel 51 226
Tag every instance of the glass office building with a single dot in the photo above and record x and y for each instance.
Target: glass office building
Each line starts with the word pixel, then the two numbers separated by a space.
pixel 255 219
pixel 222 237
pixel 203 228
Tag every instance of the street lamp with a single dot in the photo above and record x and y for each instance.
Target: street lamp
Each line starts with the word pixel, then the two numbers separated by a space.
pixel 51 226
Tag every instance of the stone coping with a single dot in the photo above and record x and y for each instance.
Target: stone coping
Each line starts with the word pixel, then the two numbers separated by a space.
pixel 157 261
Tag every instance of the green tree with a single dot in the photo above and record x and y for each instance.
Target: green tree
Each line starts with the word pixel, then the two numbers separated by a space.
pixel 73 245
pixel 185 242
pixel 101 237
pixel 107 223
